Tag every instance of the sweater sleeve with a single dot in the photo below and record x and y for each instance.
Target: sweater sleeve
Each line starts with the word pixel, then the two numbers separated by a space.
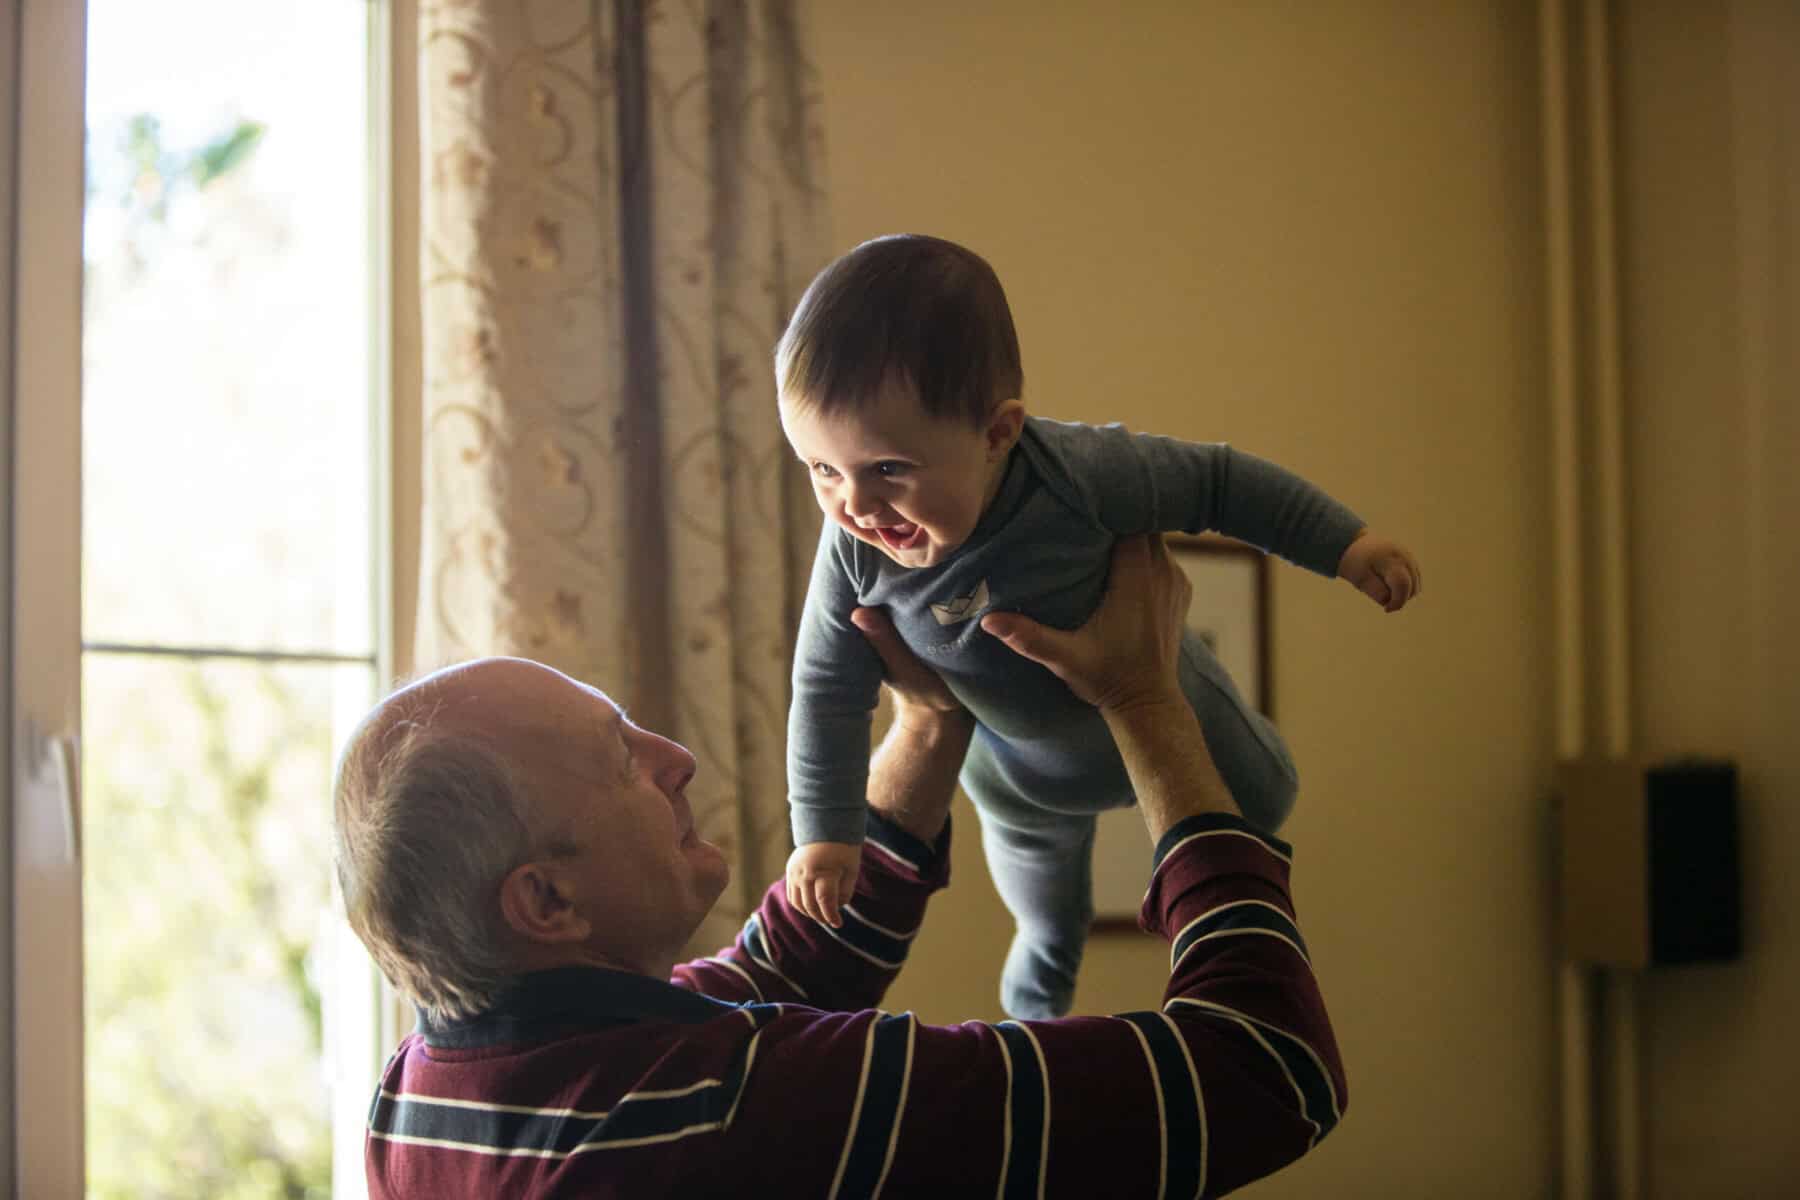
pixel 837 681
pixel 783 955
pixel 1234 1076
pixel 1138 482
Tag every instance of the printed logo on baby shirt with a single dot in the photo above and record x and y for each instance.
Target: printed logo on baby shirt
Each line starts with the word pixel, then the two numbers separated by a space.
pixel 962 607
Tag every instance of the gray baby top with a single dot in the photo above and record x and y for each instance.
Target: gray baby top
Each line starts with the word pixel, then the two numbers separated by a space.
pixel 1042 548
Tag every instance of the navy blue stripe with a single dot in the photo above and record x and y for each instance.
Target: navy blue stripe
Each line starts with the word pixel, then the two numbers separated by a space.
pixel 900 842
pixel 1207 822
pixel 1315 1087
pixel 1240 916
pixel 415 1118
pixel 865 937
pixel 753 940
pixel 1028 1106
pixel 560 1134
pixel 880 1108
pixel 1181 1104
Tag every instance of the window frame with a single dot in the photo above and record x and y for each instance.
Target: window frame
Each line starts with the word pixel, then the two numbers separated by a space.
pixel 43 76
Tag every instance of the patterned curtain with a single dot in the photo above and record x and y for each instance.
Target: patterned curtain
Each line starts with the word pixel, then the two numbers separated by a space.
pixel 622 206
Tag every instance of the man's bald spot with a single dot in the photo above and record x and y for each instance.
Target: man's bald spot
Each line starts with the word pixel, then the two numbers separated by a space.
pixel 532 716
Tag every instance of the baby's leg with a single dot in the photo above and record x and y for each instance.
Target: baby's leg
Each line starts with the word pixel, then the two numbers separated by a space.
pixel 1251 755
pixel 1041 863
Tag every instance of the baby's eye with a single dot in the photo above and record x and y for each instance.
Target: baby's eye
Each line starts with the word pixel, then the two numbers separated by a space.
pixel 824 470
pixel 890 469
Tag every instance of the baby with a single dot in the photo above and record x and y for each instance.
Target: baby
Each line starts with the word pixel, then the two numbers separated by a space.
pixel 900 389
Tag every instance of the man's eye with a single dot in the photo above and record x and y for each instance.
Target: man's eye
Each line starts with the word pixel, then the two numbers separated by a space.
pixel 890 469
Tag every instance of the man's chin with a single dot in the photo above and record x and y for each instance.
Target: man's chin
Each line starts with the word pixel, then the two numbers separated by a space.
pixel 710 864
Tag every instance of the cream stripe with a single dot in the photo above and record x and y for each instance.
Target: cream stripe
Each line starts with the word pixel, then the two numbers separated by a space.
pixel 744 1082
pixel 1243 833
pixel 668 1093
pixel 480 1106
pixel 446 1144
pixel 1299 1096
pixel 1162 1114
pixel 912 1025
pixel 862 1085
pixel 1199 1101
pixel 583 1148
pixel 769 966
pixel 1330 1087
pixel 883 963
pixel 1217 909
pixel 893 933
pixel 903 861
pixel 1006 1130
pixel 740 973
pixel 1219 933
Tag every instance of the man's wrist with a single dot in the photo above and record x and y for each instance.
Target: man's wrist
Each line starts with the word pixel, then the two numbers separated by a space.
pixel 932 725
pixel 1166 756
pixel 912 776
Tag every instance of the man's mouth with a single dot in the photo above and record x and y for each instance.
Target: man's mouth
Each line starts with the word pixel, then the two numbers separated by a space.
pixel 902 536
pixel 684 821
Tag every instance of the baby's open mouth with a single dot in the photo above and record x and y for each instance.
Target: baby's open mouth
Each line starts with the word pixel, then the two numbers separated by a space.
pixel 903 536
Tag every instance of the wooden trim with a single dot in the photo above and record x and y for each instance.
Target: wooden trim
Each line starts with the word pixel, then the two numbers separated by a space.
pixel 46 614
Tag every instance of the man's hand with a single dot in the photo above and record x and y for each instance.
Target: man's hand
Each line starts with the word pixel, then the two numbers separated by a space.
pixel 915 686
pixel 821 878
pixel 1126 653
pixel 1383 570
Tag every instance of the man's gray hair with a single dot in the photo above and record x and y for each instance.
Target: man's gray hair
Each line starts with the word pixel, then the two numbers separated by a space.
pixel 427 827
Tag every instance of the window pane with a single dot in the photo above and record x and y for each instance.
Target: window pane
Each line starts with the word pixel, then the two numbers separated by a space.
pixel 226 325
pixel 209 923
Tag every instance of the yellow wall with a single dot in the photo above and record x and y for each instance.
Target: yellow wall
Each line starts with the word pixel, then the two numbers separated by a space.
pixel 1314 231
pixel 1710 184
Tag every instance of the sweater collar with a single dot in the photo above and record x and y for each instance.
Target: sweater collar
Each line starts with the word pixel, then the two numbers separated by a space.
pixel 542 1003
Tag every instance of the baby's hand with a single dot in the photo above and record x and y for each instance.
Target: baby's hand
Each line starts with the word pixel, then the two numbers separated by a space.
pixel 821 877
pixel 1384 571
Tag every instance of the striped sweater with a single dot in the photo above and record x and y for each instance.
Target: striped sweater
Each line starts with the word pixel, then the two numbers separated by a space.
pixel 767 1070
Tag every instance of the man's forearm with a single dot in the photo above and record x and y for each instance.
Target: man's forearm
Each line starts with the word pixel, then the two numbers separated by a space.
pixel 912 774
pixel 1165 754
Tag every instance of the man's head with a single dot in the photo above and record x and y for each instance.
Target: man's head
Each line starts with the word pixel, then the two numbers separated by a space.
pixel 900 389
pixel 499 817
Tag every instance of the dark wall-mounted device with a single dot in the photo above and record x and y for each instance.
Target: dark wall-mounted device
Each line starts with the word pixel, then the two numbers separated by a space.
pixel 1648 862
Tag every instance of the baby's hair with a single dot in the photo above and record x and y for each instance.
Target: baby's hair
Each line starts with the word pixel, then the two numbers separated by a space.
pixel 919 309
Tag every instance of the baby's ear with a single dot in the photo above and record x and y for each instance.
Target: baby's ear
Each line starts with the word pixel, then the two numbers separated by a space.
pixel 1004 427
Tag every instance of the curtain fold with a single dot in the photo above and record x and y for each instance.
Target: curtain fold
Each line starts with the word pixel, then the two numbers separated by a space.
pixel 621 207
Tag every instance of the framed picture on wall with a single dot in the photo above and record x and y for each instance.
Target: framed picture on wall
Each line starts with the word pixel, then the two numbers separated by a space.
pixel 1230 613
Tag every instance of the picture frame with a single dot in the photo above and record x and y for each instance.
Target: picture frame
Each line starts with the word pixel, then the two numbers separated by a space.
pixel 1230 612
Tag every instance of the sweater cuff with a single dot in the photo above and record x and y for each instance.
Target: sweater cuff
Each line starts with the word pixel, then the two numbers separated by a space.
pixel 909 856
pixel 1203 823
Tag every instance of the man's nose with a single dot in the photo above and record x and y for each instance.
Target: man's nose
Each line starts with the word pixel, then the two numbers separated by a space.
pixel 675 765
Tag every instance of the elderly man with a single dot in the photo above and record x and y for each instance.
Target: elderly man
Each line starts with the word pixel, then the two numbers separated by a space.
pixel 521 860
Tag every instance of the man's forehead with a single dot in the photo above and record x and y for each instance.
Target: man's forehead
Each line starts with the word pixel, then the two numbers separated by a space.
pixel 512 693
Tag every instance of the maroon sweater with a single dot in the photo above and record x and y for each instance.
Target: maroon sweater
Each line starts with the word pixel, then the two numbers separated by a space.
pixel 766 1071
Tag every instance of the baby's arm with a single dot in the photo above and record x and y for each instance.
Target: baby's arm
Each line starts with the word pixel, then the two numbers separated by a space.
pixel 837 679
pixel 1141 482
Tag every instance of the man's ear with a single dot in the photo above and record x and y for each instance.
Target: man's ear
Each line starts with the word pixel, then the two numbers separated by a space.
pixel 1004 425
pixel 537 907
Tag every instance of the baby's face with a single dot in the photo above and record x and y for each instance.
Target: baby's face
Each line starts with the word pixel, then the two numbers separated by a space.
pixel 909 484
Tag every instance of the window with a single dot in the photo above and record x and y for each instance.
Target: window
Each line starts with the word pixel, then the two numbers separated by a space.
pixel 231 371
